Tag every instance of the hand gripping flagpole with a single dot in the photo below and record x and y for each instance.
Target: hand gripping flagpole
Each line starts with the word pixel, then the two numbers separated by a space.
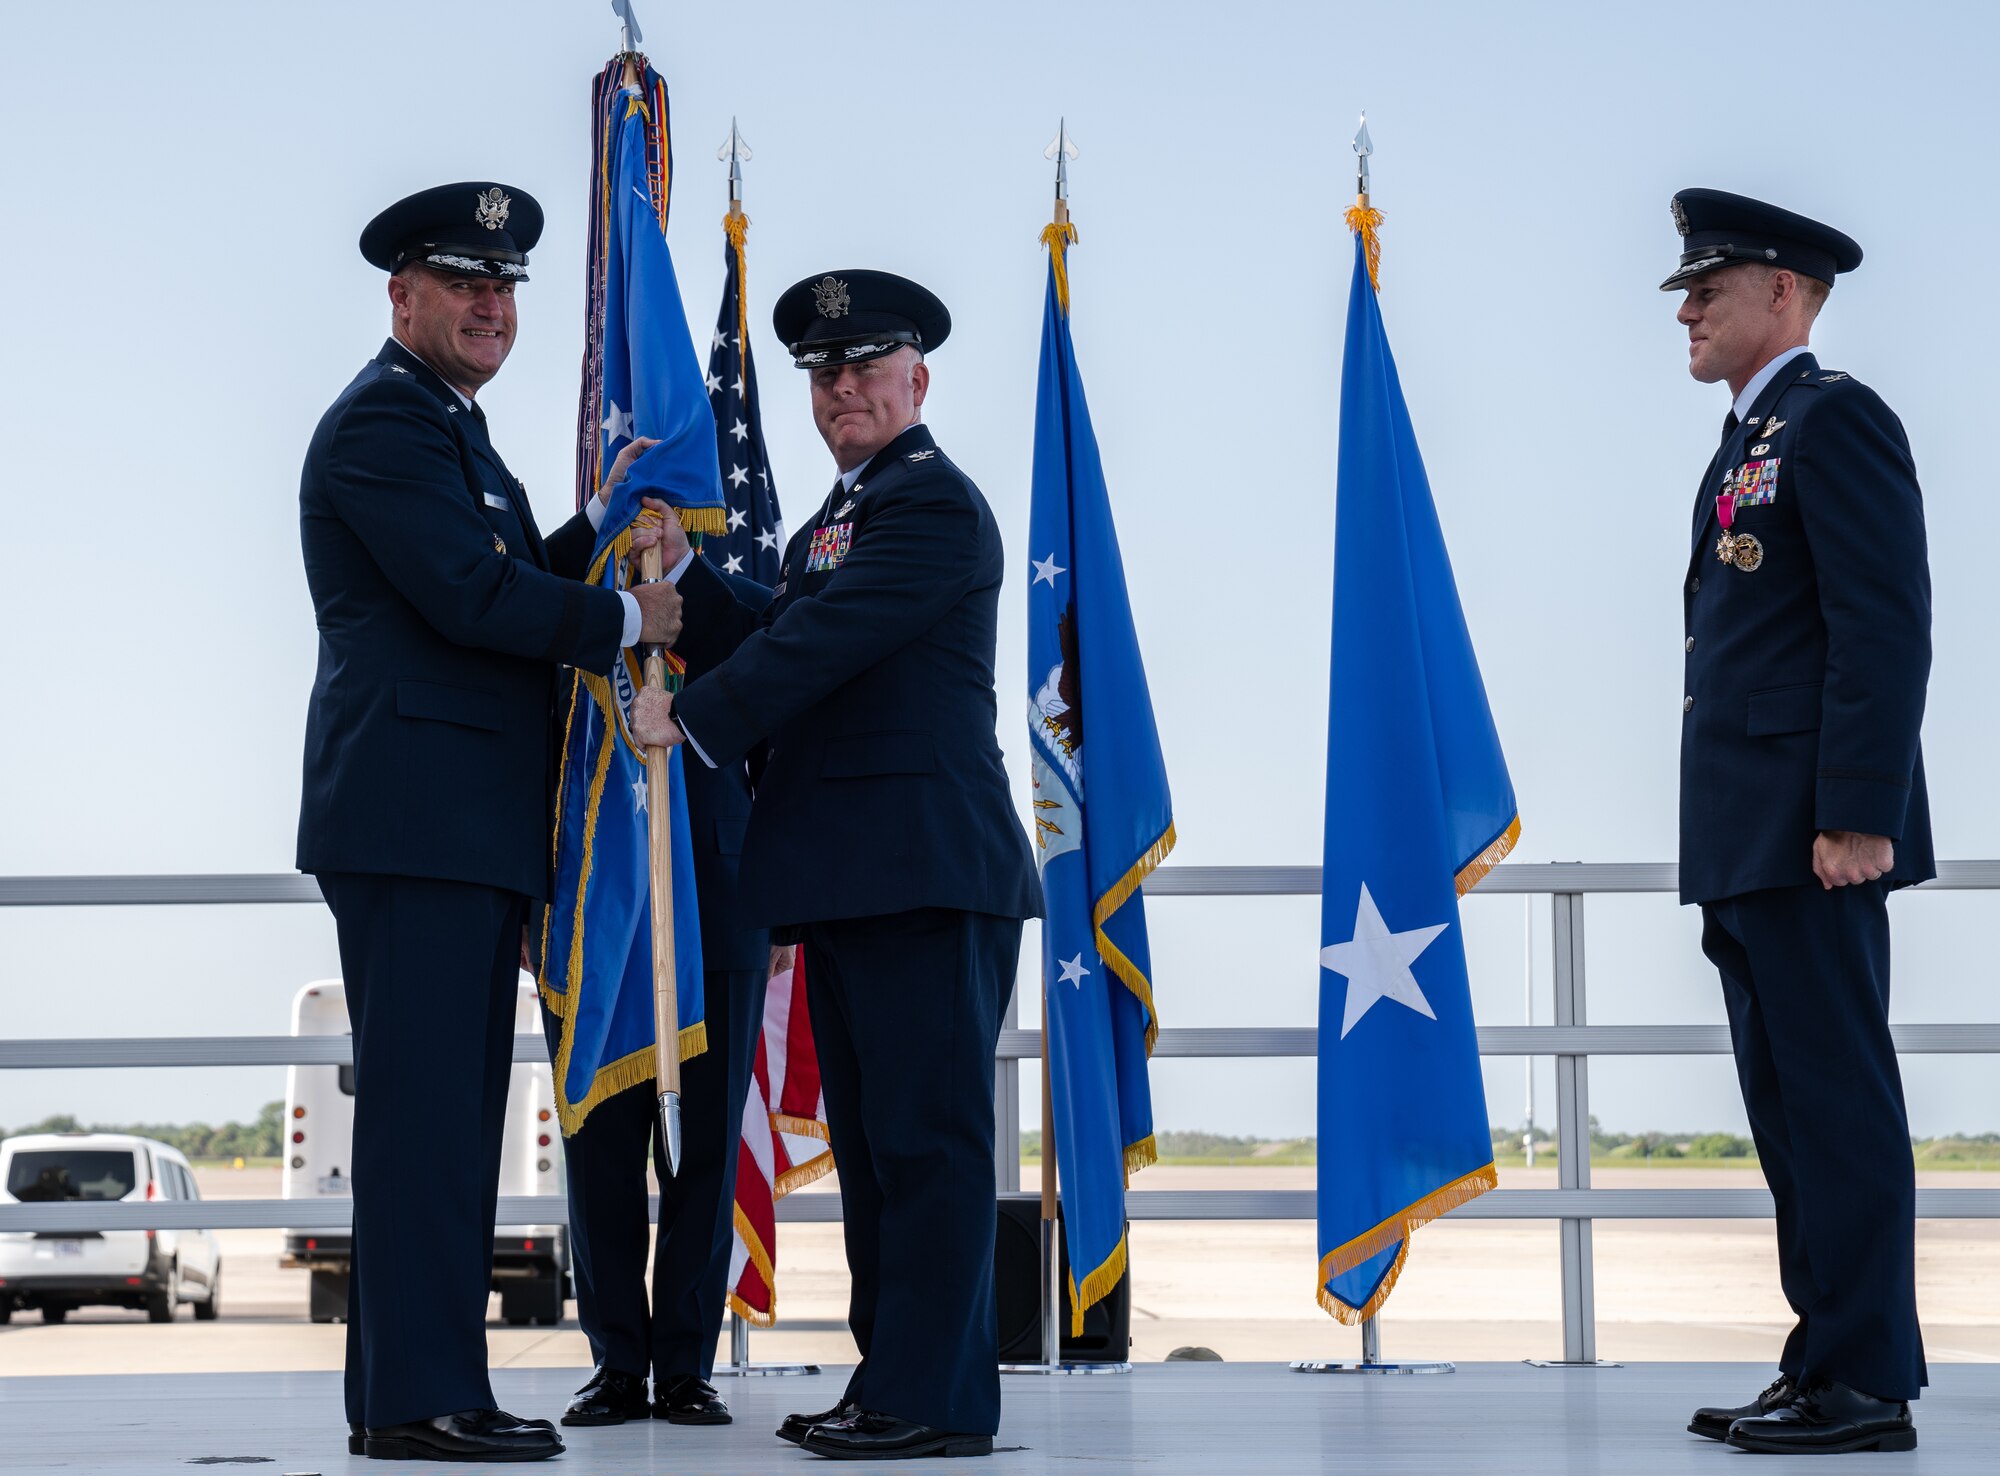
pixel 660 843
pixel 1364 218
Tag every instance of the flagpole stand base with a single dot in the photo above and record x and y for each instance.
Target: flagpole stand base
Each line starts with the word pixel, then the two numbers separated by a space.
pixel 1317 1366
pixel 764 1370
pixel 1065 1368
pixel 1568 1363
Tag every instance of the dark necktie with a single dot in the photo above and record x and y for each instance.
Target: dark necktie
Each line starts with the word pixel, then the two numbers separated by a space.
pixel 1729 424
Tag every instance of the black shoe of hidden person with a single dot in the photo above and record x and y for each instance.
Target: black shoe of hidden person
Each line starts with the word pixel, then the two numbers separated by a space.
pixel 357 1438
pixel 1828 1419
pixel 610 1398
pixel 867 1436
pixel 1714 1420
pixel 795 1426
pixel 470 1435
pixel 688 1400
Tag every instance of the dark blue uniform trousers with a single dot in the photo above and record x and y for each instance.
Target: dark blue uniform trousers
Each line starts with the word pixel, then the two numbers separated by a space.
pixel 906 1015
pixel 606 1167
pixel 432 972
pixel 1805 974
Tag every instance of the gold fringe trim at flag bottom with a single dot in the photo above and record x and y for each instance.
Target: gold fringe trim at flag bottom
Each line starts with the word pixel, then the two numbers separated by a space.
pixel 761 1259
pixel 1365 218
pixel 1491 855
pixel 1098 1284
pixel 796 1177
pixel 1398 1227
pixel 1058 237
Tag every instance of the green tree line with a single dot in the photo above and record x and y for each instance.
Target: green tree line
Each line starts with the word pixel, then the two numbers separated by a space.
pixel 259 1139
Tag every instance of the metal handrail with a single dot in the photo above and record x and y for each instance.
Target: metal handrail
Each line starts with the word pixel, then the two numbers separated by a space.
pixel 1569 1040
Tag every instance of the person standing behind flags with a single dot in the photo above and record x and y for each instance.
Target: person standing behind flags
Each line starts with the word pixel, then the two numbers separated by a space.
pixel 425 806
pixel 1808 616
pixel 884 839
pixel 606 1156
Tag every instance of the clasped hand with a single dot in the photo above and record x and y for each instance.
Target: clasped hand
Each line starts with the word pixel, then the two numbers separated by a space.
pixel 653 719
pixel 659 604
pixel 1845 858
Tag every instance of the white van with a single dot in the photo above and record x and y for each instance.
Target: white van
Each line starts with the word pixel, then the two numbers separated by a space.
pixel 55 1270
pixel 530 1262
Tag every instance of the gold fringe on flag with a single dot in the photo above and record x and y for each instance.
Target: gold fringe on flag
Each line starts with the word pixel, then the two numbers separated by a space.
pixel 1490 855
pixel 1365 218
pixel 1115 898
pixel 1399 1226
pixel 761 1259
pixel 1096 1287
pixel 1058 236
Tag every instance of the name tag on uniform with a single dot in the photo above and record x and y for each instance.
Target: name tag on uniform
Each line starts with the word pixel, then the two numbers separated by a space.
pixel 1753 484
pixel 829 546
pixel 495 500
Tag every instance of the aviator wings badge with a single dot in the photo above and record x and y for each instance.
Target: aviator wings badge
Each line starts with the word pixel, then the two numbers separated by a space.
pixel 491 211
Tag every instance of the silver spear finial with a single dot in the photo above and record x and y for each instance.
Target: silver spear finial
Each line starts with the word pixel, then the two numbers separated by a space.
pixel 1062 149
pixel 735 152
pixel 1363 147
pixel 629 34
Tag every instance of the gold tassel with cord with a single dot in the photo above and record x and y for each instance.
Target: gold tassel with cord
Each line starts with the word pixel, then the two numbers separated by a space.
pixel 1365 218
pixel 1398 1227
pixel 1058 236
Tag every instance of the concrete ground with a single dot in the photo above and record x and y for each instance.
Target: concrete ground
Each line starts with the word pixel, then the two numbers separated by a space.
pixel 1486 1290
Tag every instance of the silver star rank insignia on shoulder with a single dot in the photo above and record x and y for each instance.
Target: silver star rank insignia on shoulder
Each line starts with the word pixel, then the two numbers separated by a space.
pixel 920 455
pixel 1831 378
pixel 397 369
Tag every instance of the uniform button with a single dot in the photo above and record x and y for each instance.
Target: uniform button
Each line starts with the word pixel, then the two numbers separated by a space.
pixel 1690 644
pixel 1687 704
pixel 1694 585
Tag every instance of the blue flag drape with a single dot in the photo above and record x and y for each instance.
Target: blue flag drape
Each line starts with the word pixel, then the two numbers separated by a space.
pixel 596 969
pixel 1418 808
pixel 1103 818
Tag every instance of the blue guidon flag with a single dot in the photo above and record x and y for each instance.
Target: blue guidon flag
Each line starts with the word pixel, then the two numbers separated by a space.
pixel 1103 819
pixel 1418 808
pixel 640 379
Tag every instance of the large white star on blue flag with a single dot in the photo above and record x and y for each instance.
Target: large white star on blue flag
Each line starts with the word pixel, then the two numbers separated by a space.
pixel 1376 963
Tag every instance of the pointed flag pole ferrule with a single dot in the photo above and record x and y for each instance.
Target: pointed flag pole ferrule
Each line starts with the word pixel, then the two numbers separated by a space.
pixel 1363 147
pixel 735 152
pixel 670 1131
pixel 1062 149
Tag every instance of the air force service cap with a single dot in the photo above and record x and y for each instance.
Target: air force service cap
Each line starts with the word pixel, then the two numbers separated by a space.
pixel 849 317
pixel 475 229
pixel 1719 229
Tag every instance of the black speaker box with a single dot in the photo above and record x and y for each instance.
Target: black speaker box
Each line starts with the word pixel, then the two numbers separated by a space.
pixel 1017 1260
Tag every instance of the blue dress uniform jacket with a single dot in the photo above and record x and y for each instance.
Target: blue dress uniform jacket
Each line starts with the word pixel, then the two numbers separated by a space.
pixel 428 747
pixel 1806 675
pixel 870 678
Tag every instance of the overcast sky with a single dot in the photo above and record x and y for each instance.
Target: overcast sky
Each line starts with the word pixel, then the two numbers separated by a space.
pixel 183 185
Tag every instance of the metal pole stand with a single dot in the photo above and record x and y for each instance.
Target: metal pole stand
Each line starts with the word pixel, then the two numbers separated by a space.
pixel 740 1366
pixel 1371 1359
pixel 1052 1362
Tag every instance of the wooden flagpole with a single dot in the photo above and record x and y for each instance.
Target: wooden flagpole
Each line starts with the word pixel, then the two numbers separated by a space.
pixel 660 844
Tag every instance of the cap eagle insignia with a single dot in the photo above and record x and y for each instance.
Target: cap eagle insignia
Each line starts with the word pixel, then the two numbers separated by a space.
pixel 1680 216
pixel 491 211
pixel 830 297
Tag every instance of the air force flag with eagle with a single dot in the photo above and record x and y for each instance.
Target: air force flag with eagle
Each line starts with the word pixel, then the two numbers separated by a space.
pixel 1418 808
pixel 1103 819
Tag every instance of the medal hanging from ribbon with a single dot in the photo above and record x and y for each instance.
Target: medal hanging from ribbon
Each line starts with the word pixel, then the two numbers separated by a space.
pixel 1744 550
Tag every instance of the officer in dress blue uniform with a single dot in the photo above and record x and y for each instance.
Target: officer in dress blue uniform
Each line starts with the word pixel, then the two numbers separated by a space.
pixel 1808 615
pixel 427 797
pixel 606 1157
pixel 883 838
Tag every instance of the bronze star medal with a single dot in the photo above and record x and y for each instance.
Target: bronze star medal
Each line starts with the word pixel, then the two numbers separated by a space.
pixel 1744 550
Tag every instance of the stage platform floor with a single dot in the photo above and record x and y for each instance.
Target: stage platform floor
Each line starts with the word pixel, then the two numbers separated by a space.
pixel 1170 1419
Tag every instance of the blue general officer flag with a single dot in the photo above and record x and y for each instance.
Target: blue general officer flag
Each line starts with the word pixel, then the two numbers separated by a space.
pixel 597 967
pixel 1103 818
pixel 1418 808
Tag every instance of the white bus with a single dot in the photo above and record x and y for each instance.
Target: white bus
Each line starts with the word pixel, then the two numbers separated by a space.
pixel 530 1262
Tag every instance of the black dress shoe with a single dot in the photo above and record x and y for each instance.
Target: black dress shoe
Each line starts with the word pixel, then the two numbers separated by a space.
pixel 470 1435
pixel 356 1439
pixel 1713 1421
pixel 688 1400
pixel 796 1425
pixel 610 1398
pixel 867 1436
pixel 1828 1419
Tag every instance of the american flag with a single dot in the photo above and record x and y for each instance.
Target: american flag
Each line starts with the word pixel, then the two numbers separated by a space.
pixel 755 542
pixel 783 1142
